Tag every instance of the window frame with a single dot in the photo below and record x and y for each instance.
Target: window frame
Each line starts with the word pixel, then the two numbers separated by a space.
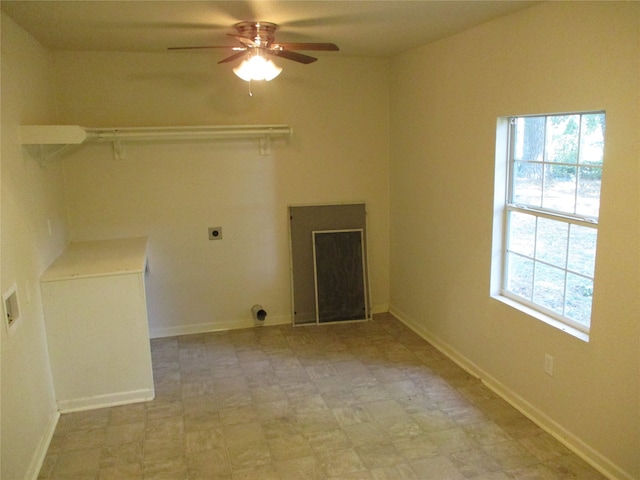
pixel 504 206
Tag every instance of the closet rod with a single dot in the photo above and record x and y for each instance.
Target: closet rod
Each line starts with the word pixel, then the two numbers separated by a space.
pixel 70 135
pixel 176 133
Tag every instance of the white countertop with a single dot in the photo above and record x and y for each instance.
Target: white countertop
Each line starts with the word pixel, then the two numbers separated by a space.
pixel 99 258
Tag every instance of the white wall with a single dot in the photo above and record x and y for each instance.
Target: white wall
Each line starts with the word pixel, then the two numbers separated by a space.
pixel 446 97
pixel 339 111
pixel 30 195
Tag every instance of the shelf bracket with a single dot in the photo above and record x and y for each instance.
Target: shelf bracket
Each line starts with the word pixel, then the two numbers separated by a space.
pixel 265 145
pixel 118 150
pixel 43 155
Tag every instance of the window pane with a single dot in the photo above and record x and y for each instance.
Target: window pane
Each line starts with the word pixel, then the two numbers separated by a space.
pixel 579 296
pixel 527 184
pixel 551 242
pixel 529 138
pixel 522 233
pixel 555 171
pixel 548 291
pixel 582 249
pixel 519 275
pixel 562 138
pixel 559 188
pixel 592 139
pixel 588 201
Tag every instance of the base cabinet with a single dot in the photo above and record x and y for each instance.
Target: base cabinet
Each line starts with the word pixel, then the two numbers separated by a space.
pixel 96 321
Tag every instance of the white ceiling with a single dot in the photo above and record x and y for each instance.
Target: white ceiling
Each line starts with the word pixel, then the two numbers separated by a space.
pixel 379 28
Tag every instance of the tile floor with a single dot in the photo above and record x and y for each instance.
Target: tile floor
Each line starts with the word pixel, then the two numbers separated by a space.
pixel 352 401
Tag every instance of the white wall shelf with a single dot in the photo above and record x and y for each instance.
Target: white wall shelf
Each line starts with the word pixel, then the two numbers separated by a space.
pixel 67 136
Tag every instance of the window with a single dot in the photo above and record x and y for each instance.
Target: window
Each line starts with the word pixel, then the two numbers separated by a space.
pixel 549 223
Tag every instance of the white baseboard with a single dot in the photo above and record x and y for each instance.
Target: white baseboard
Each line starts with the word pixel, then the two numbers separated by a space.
pixel 380 308
pixel 215 326
pixel 108 400
pixel 161 332
pixel 568 439
pixel 43 447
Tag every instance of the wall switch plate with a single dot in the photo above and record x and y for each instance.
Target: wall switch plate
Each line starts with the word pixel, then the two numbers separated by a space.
pixel 215 233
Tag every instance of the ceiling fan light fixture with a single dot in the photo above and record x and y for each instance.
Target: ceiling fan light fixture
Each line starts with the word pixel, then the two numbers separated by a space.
pixel 257 68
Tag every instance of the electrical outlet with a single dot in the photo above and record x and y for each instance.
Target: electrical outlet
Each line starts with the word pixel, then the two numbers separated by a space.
pixel 548 364
pixel 215 233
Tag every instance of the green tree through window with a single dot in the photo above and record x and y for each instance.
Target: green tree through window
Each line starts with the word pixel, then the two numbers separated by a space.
pixel 552 209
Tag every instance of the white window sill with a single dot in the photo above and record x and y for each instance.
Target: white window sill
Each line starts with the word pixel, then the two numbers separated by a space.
pixel 543 318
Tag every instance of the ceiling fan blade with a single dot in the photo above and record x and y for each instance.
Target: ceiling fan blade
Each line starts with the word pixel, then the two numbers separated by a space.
pixel 233 57
pixel 206 46
pixel 247 41
pixel 327 47
pixel 295 56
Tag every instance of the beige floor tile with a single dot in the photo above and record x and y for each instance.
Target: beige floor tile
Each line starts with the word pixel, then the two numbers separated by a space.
pixel 317 421
pixel 305 468
pixel 438 467
pixel 401 471
pixel 268 393
pixel 415 448
pixel 352 415
pixel 570 466
pixel 281 427
pixel 78 461
pixel 358 401
pixel 133 413
pixel 164 468
pixel 327 440
pixel 200 404
pixel 208 464
pixel 379 456
pixel 235 415
pixel 341 462
pixel 544 446
pixel 158 449
pixel 122 454
pixel 164 427
pixel 122 472
pixel 249 455
pixel 164 409
pixel 368 433
pixel 262 472
pixel 83 439
pixel 452 440
pixel 290 446
pixel 510 454
pixel 200 440
pixel 486 433
pixel 474 462
pixel 201 421
pixel 433 420
pixel 399 427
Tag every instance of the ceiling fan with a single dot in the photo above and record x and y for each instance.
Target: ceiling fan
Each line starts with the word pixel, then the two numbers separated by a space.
pixel 257 39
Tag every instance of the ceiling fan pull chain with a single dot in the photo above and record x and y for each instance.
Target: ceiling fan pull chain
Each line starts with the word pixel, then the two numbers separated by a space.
pixel 250 92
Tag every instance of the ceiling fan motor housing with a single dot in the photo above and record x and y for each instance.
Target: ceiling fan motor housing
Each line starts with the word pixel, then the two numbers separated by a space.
pixel 262 33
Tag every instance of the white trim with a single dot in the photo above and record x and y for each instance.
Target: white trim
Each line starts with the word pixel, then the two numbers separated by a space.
pixel 546 423
pixel 107 400
pixel 162 332
pixel 43 447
